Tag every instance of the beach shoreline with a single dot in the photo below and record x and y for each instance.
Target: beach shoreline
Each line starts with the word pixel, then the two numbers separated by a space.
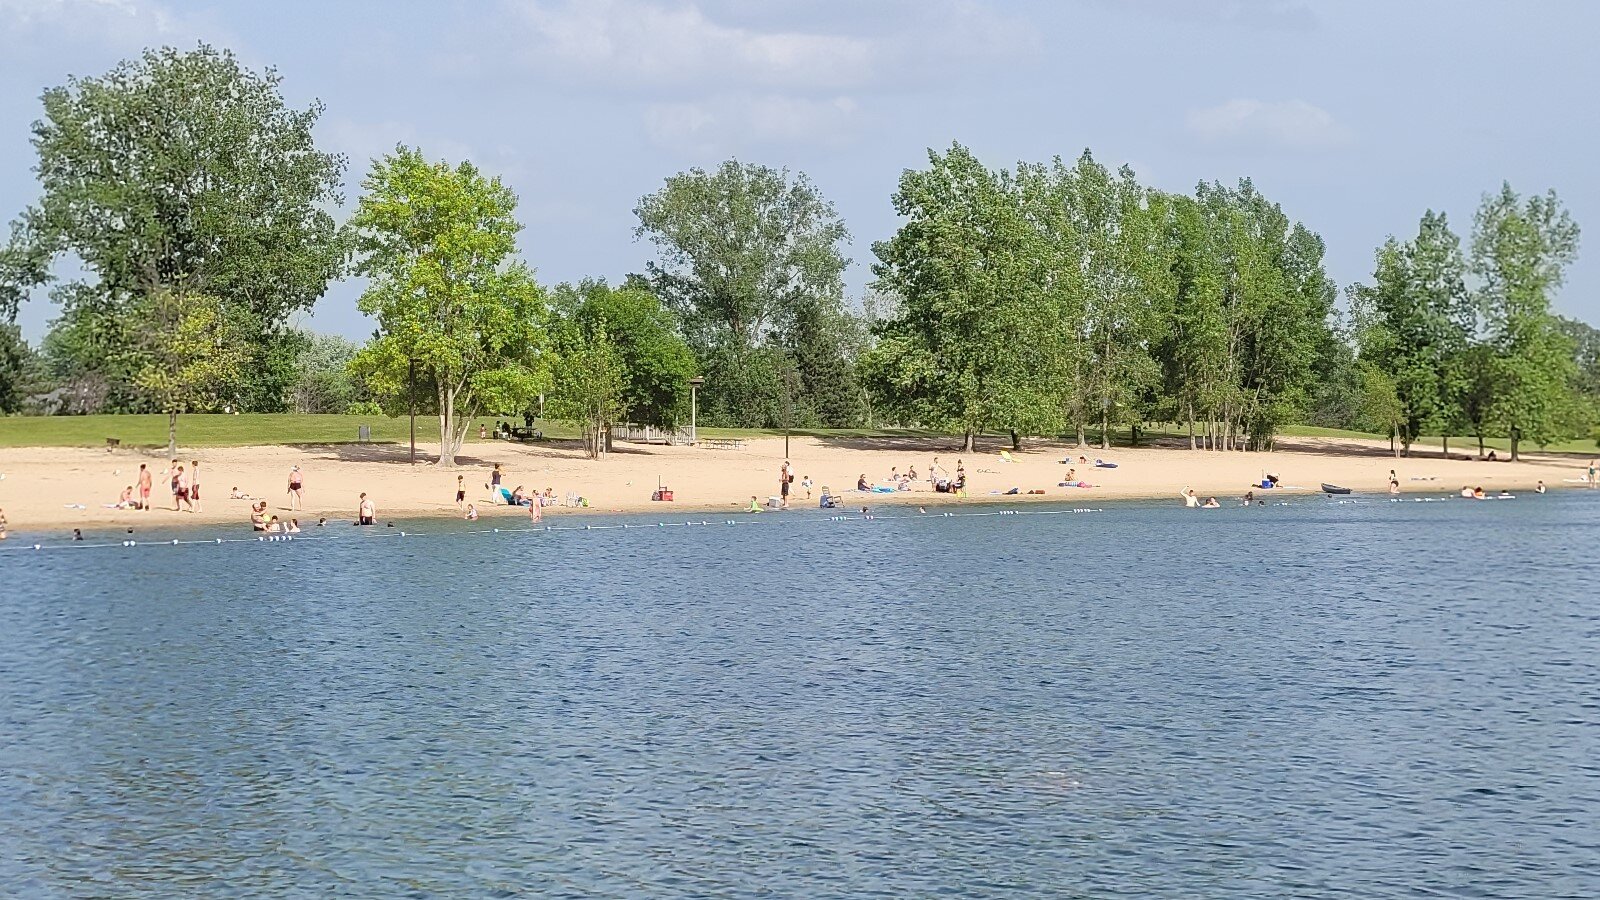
pixel 54 489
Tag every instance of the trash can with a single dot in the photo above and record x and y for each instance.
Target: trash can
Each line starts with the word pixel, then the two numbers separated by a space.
pixel 364 433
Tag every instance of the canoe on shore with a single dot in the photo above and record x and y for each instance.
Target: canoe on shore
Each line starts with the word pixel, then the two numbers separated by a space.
pixel 1334 489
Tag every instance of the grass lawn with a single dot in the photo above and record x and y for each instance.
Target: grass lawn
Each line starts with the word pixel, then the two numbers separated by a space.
pixel 246 429
pixel 293 428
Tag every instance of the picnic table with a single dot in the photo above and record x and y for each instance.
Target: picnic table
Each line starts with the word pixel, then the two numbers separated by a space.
pixel 724 443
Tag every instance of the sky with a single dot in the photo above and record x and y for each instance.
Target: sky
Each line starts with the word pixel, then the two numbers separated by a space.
pixel 1355 115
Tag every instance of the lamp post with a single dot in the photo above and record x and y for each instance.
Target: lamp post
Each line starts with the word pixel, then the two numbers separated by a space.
pixel 411 381
pixel 694 409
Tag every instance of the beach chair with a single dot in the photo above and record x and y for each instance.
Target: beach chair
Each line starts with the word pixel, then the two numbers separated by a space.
pixel 505 497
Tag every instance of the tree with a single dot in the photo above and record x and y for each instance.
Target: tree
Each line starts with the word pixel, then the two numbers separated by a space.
pixel 656 362
pixel 750 260
pixel 16 365
pixel 178 173
pixel 438 244
pixel 323 382
pixel 1414 323
pixel 192 354
pixel 1520 250
pixel 591 383
pixel 956 355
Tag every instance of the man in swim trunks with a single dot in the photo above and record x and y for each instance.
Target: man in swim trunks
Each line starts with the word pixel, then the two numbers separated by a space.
pixel 296 485
pixel 144 487
pixel 174 475
pixel 461 491
pixel 194 485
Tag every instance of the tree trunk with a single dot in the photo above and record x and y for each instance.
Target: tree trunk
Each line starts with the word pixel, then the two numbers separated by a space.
pixel 1446 439
pixel 1516 442
pixel 172 434
pixel 1190 409
pixel 1480 445
pixel 1083 440
pixel 1016 440
pixel 968 442
pixel 447 454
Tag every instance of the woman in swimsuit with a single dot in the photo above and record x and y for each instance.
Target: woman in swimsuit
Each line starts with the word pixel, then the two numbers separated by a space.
pixel 366 513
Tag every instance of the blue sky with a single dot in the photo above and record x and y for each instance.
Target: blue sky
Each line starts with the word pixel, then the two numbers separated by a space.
pixel 1356 115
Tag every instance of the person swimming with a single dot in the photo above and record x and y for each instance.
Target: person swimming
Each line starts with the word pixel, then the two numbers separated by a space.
pixel 1211 503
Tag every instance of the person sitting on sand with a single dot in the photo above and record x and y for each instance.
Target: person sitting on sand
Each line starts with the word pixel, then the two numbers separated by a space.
pixel 1539 489
pixel 472 512
pixel 519 497
pixel 755 505
pixel 1211 503
pixel 125 499
pixel 861 483
pixel 366 512
pixel 1394 487
pixel 911 473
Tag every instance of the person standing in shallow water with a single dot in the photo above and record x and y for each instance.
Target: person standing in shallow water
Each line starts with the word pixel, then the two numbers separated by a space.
pixel 367 512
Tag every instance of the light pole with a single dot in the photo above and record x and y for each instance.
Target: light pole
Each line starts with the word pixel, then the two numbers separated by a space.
pixel 694 408
pixel 411 380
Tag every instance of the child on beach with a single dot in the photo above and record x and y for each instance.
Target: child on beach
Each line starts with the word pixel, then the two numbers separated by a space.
pixel 472 512
pixel 461 490
pixel 805 482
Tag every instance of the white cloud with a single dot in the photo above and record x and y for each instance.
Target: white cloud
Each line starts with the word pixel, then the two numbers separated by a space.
pixel 1281 125
pixel 644 44
pixel 117 21
pixel 1279 15
pixel 364 142
pixel 721 125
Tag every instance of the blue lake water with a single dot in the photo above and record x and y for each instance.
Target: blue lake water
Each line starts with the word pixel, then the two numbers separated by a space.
pixel 1317 700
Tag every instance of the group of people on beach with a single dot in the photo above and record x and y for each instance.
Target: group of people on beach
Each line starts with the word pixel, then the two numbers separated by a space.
pixel 184 483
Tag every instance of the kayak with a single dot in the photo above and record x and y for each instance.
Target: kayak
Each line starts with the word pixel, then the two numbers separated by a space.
pixel 1334 489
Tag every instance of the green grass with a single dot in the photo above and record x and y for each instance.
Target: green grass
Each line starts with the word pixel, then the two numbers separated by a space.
pixel 246 429
pixel 292 428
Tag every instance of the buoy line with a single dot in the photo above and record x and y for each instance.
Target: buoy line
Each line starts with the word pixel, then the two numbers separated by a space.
pixel 618 526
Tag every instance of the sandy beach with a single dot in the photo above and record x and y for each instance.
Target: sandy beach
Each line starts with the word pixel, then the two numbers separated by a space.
pixel 55 488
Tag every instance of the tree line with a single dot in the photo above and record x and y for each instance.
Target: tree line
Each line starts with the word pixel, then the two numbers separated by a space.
pixel 1052 298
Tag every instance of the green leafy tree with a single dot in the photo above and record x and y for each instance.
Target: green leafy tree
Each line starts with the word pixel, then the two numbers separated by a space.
pixel 178 173
pixel 954 355
pixel 656 361
pixel 1414 322
pixel 16 367
pixel 591 383
pixel 1520 251
pixel 453 304
pixel 751 261
pixel 191 356
pixel 323 382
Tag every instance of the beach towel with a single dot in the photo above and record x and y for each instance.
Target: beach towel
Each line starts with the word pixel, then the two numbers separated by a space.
pixel 1102 464
pixel 1005 455
pixel 883 490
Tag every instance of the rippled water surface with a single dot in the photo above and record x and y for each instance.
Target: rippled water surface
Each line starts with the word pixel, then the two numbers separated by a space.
pixel 1319 700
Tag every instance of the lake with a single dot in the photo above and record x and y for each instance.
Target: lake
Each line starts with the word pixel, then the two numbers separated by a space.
pixel 1314 700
